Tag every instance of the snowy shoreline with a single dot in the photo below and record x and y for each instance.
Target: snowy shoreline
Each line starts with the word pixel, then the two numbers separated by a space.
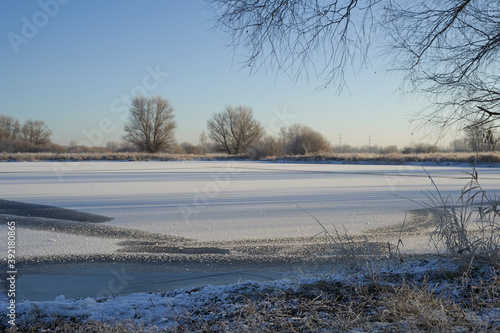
pixel 485 159
pixel 188 308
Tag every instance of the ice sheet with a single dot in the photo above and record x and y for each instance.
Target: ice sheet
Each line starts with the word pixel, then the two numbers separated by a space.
pixel 223 200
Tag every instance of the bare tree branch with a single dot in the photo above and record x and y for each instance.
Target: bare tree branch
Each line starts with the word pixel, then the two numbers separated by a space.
pixel 287 35
pixel 448 49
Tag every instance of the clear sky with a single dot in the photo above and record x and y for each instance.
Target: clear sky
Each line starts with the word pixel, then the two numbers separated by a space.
pixel 75 64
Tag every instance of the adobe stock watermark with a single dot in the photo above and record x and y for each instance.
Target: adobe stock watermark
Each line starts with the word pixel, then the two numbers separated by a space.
pixel 31 25
pixel 116 284
pixel 119 106
pixel 202 197
pixel 11 272
pixel 150 82
pixel 280 118
pixel 395 180
pixel 301 269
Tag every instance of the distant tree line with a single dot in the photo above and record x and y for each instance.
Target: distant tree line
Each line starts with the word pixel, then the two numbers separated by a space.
pixel 234 131
pixel 32 136
pixel 294 140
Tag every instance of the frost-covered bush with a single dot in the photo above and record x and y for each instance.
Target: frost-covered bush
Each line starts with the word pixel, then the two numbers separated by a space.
pixel 302 140
pixel 268 146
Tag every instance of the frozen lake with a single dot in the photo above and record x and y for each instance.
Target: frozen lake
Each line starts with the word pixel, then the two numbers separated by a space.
pixel 213 201
pixel 197 217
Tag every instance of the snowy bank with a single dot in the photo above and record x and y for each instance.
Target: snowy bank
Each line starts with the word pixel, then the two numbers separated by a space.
pixel 320 301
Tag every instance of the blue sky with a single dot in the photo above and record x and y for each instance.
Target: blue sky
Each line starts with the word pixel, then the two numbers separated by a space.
pixel 83 60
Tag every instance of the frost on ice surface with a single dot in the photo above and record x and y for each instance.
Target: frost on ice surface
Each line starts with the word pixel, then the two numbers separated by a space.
pixel 220 201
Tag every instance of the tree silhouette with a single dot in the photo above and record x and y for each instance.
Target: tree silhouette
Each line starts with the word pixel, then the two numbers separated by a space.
pixel 234 129
pixel 151 124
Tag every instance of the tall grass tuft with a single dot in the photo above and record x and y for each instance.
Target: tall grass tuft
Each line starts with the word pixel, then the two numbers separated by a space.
pixel 471 224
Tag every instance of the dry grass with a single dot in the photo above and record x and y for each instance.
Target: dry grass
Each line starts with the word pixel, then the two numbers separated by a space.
pixel 75 326
pixel 470 225
pixel 394 158
pixel 112 157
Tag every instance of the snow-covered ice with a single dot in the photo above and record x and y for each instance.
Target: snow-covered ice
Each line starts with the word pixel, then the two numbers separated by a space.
pixel 223 200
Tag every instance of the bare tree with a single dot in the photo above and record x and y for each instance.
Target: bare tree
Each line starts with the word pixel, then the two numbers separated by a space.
pixel 36 132
pixel 112 146
pixel 151 125
pixel 203 142
pixel 481 137
pixel 301 140
pixel 447 48
pixel 10 129
pixel 234 129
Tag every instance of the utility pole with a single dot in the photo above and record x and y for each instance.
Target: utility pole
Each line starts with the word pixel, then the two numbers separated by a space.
pixel 340 142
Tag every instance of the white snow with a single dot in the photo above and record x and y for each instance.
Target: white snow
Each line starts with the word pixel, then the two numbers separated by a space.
pixel 156 308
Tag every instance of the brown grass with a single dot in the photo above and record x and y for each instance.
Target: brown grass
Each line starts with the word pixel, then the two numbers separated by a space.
pixel 111 157
pixel 396 158
pixel 75 326
pixel 393 158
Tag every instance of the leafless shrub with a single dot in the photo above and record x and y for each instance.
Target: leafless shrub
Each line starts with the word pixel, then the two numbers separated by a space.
pixel 268 146
pixel 191 149
pixel 8 146
pixel 393 149
pixel 420 148
pixel 481 136
pixel 302 140
pixel 175 149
